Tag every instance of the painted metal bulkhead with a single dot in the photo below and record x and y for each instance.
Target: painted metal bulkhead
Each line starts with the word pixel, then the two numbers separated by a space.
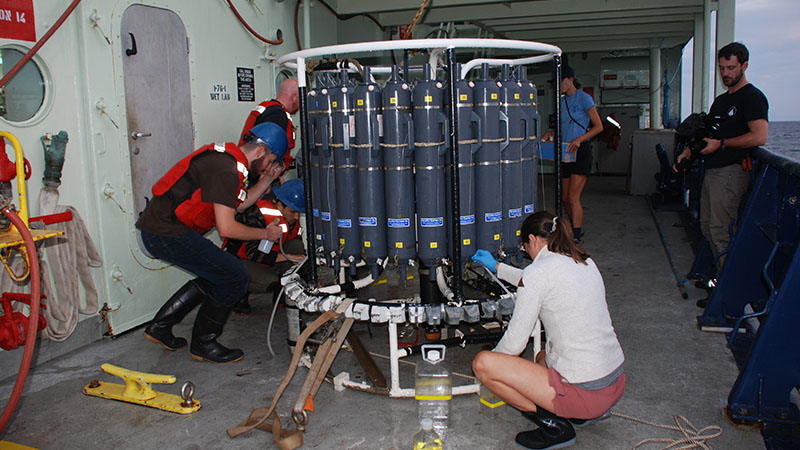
pixel 85 95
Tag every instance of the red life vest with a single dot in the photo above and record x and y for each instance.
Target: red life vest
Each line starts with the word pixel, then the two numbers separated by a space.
pixel 271 212
pixel 251 122
pixel 193 212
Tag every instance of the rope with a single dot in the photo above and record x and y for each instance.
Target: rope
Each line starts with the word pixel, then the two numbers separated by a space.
pixel 428 144
pixel 416 18
pixel 394 145
pixel 692 437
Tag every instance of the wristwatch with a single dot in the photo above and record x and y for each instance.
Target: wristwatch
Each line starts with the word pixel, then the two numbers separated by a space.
pixel 722 144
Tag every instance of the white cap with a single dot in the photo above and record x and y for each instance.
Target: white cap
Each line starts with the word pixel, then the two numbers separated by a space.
pixel 426 423
pixel 434 355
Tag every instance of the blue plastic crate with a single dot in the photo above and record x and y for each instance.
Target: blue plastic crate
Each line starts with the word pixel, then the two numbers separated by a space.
pixel 547 152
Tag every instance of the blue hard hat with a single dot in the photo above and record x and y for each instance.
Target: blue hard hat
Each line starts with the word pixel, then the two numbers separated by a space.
pixel 273 136
pixel 292 194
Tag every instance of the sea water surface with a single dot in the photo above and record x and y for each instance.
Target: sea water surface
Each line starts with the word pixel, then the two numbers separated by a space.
pixel 784 139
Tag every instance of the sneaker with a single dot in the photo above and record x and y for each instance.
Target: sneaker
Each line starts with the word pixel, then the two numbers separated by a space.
pixel 580 423
pixel 544 438
pixel 553 432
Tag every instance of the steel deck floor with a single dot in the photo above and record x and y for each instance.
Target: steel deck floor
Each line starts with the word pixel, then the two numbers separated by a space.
pixel 672 369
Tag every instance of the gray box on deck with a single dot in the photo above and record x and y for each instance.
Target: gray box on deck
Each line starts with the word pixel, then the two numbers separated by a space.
pixel 644 162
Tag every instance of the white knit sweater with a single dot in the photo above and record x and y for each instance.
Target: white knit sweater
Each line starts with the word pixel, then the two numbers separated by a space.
pixel 570 300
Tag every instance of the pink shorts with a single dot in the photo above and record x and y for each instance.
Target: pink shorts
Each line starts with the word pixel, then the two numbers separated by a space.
pixel 573 402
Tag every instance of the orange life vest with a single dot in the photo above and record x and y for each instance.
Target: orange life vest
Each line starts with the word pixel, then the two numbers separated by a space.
pixel 251 122
pixel 193 212
pixel 270 211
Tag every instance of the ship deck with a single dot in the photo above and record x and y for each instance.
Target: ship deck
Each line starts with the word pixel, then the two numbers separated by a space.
pixel 672 368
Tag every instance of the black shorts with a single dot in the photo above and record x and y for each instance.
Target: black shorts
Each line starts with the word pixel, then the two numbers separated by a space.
pixel 582 164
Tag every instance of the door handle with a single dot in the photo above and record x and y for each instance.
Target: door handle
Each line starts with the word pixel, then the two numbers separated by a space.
pixel 136 135
pixel 132 51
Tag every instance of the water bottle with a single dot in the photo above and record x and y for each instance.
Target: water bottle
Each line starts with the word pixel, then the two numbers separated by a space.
pixel 265 245
pixel 427 439
pixel 433 388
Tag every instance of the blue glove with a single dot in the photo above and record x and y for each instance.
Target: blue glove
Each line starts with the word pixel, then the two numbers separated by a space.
pixel 486 259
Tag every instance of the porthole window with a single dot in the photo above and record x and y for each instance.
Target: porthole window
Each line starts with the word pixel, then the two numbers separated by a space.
pixel 23 96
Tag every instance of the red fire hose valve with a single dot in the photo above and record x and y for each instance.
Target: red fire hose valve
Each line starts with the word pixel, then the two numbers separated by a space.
pixel 14 325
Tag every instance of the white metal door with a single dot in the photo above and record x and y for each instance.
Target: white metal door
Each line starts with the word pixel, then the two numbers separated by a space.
pixel 157 95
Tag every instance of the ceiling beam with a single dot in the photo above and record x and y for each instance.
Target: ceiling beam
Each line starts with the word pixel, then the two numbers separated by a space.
pixel 654 29
pixel 514 11
pixel 544 7
pixel 570 21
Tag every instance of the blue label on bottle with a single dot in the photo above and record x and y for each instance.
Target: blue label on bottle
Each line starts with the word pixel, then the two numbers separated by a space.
pixel 494 217
pixel 468 220
pixel 429 222
pixel 528 209
pixel 326 216
pixel 344 223
pixel 399 223
pixel 516 212
pixel 368 221
pixel 316 212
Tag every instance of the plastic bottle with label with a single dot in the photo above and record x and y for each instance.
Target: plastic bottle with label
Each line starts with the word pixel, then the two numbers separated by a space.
pixel 265 246
pixel 433 387
pixel 427 438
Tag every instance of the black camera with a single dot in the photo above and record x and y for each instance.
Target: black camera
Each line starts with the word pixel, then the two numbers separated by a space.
pixel 692 132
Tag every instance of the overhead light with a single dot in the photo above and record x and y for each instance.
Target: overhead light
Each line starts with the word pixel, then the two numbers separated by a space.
pixel 613 122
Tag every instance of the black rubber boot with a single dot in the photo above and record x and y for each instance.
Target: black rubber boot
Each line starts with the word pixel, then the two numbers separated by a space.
pixel 243 306
pixel 553 432
pixel 207 328
pixel 174 310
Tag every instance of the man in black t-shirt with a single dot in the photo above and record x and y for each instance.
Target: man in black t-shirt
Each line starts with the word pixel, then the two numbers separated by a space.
pixel 200 192
pixel 743 113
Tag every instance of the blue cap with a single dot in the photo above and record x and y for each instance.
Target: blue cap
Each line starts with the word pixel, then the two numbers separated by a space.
pixel 271 135
pixel 567 72
pixel 292 194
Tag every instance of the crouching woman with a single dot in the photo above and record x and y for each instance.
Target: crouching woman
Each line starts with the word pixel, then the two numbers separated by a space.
pixel 580 376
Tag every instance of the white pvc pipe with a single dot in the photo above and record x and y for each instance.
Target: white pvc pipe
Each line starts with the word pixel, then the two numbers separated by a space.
pixel 394 366
pixel 499 62
pixel 301 74
pixel 292 60
pixel 442 283
pixel 395 390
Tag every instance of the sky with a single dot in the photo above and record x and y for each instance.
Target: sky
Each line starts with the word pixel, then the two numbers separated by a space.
pixel 771 31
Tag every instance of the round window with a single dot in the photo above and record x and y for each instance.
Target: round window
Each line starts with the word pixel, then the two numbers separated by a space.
pixel 23 96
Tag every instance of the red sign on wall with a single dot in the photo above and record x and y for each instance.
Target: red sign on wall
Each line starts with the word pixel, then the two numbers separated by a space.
pixel 16 20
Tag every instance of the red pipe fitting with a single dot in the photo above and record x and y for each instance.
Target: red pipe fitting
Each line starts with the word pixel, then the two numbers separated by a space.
pixel 8 169
pixel 14 325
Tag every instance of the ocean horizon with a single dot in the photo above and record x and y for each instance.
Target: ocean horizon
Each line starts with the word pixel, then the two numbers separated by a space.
pixel 784 139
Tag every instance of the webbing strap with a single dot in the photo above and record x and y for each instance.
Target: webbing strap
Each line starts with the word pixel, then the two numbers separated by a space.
pixel 267 419
pixel 259 416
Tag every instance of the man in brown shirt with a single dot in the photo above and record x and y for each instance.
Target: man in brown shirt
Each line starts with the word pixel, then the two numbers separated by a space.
pixel 200 192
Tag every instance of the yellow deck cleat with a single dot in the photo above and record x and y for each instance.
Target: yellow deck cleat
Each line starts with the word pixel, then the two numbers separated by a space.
pixel 137 390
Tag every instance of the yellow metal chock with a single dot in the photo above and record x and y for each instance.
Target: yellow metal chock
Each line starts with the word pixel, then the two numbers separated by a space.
pixel 137 390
